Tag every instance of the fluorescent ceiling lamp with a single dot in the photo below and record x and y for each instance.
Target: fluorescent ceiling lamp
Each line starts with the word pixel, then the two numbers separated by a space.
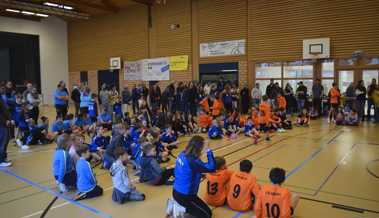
pixel 42 15
pixel 229 70
pixel 51 4
pixel 27 13
pixel 12 10
pixel 66 7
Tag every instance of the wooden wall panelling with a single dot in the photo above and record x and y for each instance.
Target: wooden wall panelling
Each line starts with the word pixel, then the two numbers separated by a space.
pixel 278 27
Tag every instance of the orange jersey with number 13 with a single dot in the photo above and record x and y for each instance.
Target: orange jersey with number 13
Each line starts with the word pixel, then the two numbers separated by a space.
pixel 216 187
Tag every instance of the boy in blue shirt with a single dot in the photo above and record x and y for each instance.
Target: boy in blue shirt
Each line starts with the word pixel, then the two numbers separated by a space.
pixel 123 189
pixel 117 111
pixel 86 181
pixel 215 131
pixel 92 108
pixel 105 119
pixel 63 167
pixel 58 126
pixel 99 144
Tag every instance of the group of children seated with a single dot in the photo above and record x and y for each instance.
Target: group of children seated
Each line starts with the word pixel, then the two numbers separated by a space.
pixel 347 116
pixel 240 191
pixel 262 119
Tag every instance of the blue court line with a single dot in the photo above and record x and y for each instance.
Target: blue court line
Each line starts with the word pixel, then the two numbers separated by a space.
pixel 56 194
pixel 302 164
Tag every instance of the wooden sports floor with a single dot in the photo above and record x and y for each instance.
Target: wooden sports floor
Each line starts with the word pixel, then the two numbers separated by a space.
pixel 334 169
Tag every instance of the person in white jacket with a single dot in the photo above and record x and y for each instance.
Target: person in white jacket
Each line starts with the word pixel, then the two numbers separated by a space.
pixel 256 95
pixel 123 188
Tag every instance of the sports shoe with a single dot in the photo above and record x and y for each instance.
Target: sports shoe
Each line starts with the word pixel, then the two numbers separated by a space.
pixel 5 164
pixel 25 148
pixel 18 142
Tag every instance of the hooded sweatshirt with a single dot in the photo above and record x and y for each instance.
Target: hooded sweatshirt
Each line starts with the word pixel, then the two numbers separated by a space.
pixel 120 178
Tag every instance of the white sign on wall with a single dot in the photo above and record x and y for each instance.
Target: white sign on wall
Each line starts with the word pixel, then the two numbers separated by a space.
pixel 156 69
pixel 133 70
pixel 316 48
pixel 226 48
pixel 115 63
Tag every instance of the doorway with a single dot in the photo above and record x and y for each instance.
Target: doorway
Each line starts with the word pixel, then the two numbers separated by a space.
pixel 109 77
pixel 219 71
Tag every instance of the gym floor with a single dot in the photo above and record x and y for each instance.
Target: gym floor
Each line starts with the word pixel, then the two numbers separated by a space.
pixel 334 169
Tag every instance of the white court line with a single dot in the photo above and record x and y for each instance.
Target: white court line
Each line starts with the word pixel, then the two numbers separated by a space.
pixel 66 203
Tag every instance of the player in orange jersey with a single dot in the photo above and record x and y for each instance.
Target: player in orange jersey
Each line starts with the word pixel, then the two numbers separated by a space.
pixel 216 184
pixel 274 201
pixel 242 188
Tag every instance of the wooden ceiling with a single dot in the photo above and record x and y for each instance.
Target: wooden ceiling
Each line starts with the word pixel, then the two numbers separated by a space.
pixel 91 7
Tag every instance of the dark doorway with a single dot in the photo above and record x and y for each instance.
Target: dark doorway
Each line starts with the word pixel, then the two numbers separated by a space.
pixel 219 71
pixel 109 77
pixel 20 59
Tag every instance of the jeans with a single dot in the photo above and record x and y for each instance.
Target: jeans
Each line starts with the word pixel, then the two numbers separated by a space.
pixel 4 139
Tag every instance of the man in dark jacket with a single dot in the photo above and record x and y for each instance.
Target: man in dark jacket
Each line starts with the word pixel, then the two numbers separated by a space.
pixel 126 97
pixel 75 97
pixel 271 92
pixel 317 90
pixel 5 121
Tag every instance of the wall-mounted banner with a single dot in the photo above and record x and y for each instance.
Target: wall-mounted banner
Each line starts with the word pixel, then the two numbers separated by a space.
pixel 133 70
pixel 156 69
pixel 179 63
pixel 226 48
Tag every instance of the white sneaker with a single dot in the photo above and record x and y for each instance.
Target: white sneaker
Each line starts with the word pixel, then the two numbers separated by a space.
pixel 24 148
pixel 62 188
pixel 6 164
pixel 18 142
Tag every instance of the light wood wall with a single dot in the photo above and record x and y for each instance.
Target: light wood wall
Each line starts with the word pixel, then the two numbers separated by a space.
pixel 274 31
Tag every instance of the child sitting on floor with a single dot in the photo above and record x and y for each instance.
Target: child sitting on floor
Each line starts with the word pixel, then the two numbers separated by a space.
pixel 303 119
pixel 217 184
pixel 340 117
pixel 205 121
pixel 250 130
pixel 105 119
pixel 215 131
pixel 352 118
pixel 263 121
pixel 274 194
pixel 99 144
pixel 151 172
pixel 86 181
pixel 63 168
pixel 123 188
pixel 243 188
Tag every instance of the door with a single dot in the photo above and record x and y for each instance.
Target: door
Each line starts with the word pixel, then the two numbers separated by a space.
pixel 109 77
pixel 345 77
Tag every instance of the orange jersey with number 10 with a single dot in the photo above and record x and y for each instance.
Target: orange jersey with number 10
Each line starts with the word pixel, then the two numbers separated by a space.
pixel 273 201
pixel 242 189
pixel 216 187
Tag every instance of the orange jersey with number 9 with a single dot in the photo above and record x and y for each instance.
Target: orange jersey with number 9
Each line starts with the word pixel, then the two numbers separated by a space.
pixel 242 190
pixel 273 201
pixel 216 187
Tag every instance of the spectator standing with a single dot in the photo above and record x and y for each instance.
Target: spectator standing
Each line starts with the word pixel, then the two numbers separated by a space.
pixel 245 99
pixel 301 93
pixel 126 98
pixel 61 99
pixel 350 96
pixel 135 97
pixel 317 91
pixel 33 101
pixel 104 98
pixel 5 121
pixel 75 97
pixel 360 92
pixel 370 103
pixel 270 92
pixel 256 95
pixel 290 98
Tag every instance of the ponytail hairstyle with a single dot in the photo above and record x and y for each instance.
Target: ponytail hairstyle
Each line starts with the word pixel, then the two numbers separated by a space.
pixel 195 146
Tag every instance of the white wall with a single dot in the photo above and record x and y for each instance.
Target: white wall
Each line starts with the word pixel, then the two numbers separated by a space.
pixel 53 49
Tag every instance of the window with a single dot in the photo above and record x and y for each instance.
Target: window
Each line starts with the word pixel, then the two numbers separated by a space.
pixel 294 84
pixel 327 84
pixel 264 83
pixel 298 69
pixel 345 78
pixel 327 69
pixel 268 70
pixel 368 75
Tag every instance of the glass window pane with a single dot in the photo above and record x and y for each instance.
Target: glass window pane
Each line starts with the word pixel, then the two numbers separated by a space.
pixel 368 75
pixel 294 83
pixel 268 70
pixel 327 69
pixel 264 83
pixel 345 78
pixel 327 84
pixel 298 69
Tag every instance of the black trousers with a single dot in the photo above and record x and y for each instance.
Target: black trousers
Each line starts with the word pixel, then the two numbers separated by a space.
pixel 34 113
pixel 193 204
pixel 97 191
pixel 61 110
pixel 165 176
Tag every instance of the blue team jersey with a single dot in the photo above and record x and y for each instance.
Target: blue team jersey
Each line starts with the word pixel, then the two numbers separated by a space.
pixel 81 122
pixel 117 109
pixel 214 131
pixel 58 126
pixel 98 142
pixel 104 118
pixel 91 109
pixel 67 124
pixel 248 127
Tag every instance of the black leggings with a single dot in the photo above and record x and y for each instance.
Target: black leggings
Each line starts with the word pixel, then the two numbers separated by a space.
pixel 95 192
pixel 193 204
pixel 165 176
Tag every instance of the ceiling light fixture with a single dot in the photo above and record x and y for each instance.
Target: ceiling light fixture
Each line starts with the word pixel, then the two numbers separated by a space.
pixel 65 7
pixel 42 15
pixel 27 13
pixel 12 10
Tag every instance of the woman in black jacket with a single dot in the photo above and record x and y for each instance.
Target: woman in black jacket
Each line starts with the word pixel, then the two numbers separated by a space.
pixel 5 121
